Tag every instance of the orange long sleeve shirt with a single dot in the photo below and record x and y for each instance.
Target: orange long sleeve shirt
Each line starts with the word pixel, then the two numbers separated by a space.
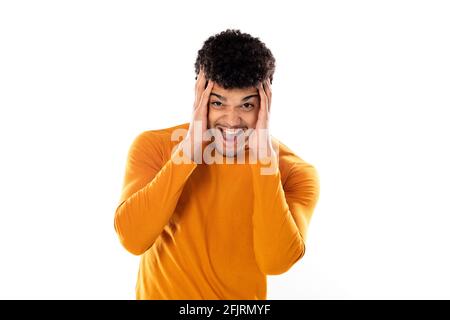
pixel 211 231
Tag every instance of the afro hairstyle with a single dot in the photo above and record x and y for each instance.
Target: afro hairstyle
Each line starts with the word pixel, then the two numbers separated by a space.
pixel 235 60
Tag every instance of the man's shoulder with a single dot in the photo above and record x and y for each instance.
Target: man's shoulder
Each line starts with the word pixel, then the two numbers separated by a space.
pixel 287 156
pixel 160 141
pixel 164 135
pixel 291 163
pixel 165 132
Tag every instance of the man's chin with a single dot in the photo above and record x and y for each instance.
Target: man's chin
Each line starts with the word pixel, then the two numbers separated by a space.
pixel 229 151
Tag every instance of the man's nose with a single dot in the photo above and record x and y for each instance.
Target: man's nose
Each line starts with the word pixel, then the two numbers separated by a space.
pixel 232 117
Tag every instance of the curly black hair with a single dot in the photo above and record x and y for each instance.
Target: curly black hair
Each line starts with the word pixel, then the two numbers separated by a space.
pixel 235 60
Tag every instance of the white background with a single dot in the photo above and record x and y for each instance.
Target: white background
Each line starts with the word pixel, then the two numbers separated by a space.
pixel 361 91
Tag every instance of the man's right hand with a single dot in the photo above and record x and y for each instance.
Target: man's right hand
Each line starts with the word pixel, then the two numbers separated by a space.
pixel 192 144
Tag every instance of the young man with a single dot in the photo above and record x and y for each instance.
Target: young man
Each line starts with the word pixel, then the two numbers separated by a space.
pixel 206 225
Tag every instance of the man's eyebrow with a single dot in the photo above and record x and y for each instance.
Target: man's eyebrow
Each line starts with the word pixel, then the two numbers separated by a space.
pixel 250 96
pixel 225 99
pixel 218 96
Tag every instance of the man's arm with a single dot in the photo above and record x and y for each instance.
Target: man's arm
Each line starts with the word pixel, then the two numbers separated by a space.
pixel 150 193
pixel 281 216
pixel 152 187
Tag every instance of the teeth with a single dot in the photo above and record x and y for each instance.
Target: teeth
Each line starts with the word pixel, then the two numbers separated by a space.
pixel 232 132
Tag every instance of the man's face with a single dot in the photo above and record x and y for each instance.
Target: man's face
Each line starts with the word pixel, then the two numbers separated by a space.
pixel 233 112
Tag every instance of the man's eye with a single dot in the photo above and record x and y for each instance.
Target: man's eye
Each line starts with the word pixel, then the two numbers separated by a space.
pixel 247 106
pixel 216 103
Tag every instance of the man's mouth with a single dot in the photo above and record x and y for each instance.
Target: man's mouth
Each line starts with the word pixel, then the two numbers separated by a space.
pixel 230 134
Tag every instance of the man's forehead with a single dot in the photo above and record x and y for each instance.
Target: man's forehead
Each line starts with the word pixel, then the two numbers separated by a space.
pixel 233 92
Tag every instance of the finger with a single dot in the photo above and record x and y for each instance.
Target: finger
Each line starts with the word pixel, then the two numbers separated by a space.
pixel 204 99
pixel 201 81
pixel 200 76
pixel 206 93
pixel 264 102
pixel 199 86
pixel 197 76
pixel 268 90
pixel 262 114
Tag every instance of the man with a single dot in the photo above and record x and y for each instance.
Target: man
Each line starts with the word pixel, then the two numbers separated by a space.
pixel 207 227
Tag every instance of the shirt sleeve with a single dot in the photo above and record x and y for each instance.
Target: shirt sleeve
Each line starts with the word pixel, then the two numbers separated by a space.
pixel 281 215
pixel 151 189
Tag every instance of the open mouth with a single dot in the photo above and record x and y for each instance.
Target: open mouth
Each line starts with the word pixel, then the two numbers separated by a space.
pixel 231 135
